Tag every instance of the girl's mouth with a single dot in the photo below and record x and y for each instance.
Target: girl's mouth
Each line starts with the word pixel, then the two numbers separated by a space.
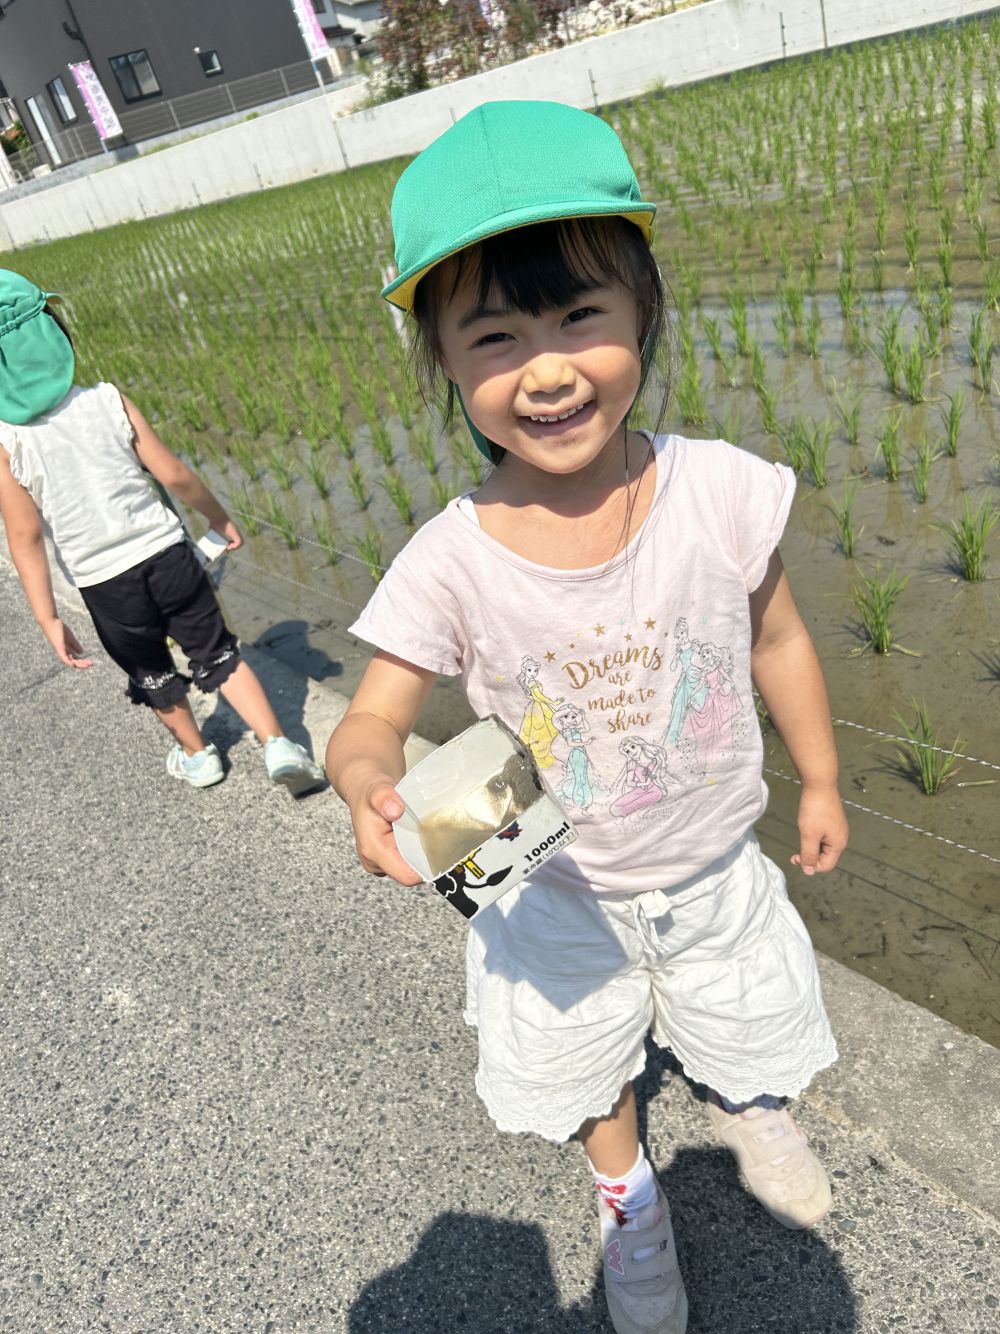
pixel 546 424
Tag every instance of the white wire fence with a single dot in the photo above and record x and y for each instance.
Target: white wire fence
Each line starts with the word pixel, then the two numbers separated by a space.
pixel 166 117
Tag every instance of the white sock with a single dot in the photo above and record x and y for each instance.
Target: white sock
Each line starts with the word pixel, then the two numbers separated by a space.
pixel 629 1197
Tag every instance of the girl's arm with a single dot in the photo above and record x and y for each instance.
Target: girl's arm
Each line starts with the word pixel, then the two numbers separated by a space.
pixel 27 549
pixel 787 673
pixel 177 477
pixel 364 758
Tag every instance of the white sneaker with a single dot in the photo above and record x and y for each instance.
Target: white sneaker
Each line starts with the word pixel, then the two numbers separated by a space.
pixel 289 765
pixel 642 1282
pixel 202 769
pixel 777 1163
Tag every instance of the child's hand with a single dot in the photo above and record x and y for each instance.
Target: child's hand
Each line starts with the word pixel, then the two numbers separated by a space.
pixel 68 648
pixel 372 813
pixel 232 535
pixel 822 830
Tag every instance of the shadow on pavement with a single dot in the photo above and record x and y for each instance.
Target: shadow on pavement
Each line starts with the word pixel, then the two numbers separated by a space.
pixel 744 1273
pixel 475 1274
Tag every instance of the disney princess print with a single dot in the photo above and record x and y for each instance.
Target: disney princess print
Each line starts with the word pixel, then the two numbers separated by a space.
pixel 628 729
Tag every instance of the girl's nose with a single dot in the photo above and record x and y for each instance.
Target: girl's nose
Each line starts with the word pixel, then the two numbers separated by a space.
pixel 547 373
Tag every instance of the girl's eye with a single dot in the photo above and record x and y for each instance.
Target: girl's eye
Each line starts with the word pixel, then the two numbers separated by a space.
pixel 490 339
pixel 575 316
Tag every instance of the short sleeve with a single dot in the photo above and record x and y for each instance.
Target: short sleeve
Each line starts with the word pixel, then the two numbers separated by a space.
pixel 413 613
pixel 760 501
pixel 111 401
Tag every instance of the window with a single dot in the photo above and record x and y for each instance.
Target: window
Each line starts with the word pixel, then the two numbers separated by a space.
pixel 135 76
pixel 60 100
pixel 210 62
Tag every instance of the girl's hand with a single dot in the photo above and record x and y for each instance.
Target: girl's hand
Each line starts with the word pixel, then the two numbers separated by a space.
pixel 68 648
pixel 232 535
pixel 372 813
pixel 822 830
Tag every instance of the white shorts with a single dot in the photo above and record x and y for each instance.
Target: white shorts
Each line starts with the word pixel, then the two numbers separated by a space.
pixel 563 986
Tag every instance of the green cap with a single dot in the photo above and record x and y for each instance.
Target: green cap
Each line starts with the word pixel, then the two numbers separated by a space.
pixel 507 165
pixel 36 358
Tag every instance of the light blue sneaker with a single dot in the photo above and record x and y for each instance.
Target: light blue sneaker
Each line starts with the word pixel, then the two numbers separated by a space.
pixel 202 769
pixel 289 765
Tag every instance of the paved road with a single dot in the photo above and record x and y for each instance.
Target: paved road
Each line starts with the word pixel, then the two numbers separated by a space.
pixel 238 1093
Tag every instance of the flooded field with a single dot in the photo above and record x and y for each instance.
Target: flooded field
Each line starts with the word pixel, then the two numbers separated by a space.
pixel 830 229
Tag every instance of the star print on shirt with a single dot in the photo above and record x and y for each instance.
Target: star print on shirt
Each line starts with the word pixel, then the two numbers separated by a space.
pixel 650 623
pixel 550 657
pixel 628 639
pixel 598 629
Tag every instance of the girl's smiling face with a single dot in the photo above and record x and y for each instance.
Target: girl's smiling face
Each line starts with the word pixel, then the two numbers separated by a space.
pixel 551 388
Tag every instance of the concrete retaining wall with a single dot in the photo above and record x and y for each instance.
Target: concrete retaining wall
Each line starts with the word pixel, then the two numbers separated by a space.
pixel 317 137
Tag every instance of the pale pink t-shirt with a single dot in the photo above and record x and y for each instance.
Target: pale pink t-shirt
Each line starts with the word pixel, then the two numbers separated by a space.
pixel 630 681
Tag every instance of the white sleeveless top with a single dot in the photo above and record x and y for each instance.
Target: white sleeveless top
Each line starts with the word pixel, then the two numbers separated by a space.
pixel 79 466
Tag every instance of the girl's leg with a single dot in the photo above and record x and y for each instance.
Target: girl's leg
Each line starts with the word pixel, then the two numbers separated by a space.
pixel 246 695
pixel 612 1142
pixel 179 722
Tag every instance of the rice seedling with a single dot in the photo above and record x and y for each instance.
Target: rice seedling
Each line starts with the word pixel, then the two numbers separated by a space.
pixel 713 333
pixel 190 413
pixel 969 535
pixel 357 486
pixel 814 327
pixel 692 401
pixel 370 549
pixel 280 469
pixel 953 421
pixel 849 406
pixel 242 505
pixel 793 440
pixel 915 370
pixel 768 401
pixel 816 450
pixel 441 492
pixel 981 346
pixel 400 495
pixel 891 351
pixel 317 475
pixel 422 444
pixel 326 537
pixel 343 438
pixel 888 446
pixel 273 512
pixel 245 455
pixel 739 321
pixel 469 456
pixel 844 515
pixel 924 456
pixel 920 758
pixel 382 442
pixel 875 599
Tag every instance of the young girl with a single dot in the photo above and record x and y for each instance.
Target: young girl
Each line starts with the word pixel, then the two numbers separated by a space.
pixel 522 247
pixel 77 456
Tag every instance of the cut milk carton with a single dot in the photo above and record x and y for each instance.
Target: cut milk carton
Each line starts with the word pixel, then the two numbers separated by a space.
pixel 478 818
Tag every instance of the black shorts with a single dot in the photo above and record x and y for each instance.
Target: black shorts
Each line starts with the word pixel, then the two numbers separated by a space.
pixel 133 613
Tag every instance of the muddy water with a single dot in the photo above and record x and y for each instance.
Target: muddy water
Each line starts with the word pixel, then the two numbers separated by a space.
pixel 917 913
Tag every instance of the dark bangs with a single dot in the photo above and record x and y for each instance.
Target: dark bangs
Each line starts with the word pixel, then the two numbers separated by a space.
pixel 540 268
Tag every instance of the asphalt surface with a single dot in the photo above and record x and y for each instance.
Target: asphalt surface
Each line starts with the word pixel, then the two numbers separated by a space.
pixel 238 1092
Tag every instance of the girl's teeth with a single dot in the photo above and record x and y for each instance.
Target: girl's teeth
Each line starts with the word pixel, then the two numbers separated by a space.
pixel 561 418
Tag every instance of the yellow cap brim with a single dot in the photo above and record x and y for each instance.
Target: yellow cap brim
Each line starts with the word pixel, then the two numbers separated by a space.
pixel 401 292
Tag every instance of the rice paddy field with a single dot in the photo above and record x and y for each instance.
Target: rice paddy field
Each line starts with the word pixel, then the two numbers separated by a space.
pixel 830 228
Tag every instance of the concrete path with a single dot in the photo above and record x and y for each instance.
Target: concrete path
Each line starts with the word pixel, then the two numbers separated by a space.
pixel 238 1094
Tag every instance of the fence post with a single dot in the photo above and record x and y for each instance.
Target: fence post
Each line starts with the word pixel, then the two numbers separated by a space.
pixel 593 87
pixel 173 114
pixel 229 95
pixel 781 20
pixel 284 81
pixel 822 14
